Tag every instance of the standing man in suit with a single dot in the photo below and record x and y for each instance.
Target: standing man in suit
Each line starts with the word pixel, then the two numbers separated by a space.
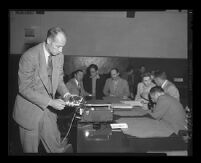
pixel 160 79
pixel 168 110
pixel 75 85
pixel 40 75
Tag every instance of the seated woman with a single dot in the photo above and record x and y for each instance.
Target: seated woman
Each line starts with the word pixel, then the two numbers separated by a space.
pixel 143 88
pixel 116 86
pixel 75 85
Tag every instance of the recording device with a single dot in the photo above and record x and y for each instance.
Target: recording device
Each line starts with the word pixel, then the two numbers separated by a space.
pixel 90 112
pixel 78 103
pixel 97 114
pixel 75 100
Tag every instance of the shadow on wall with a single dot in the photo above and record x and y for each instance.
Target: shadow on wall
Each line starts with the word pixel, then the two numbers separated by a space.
pixel 29 45
pixel 178 68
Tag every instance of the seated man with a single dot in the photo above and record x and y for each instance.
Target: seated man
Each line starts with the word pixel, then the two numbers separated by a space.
pixel 116 86
pixel 144 87
pixel 75 85
pixel 167 109
pixel 94 82
pixel 160 79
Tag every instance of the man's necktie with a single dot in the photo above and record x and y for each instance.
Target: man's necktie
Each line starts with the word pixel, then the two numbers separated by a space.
pixel 50 63
pixel 79 88
pixel 49 70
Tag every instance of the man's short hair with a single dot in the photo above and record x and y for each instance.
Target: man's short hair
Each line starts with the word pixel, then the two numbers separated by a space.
pixel 160 74
pixel 76 72
pixel 156 89
pixel 93 66
pixel 146 74
pixel 52 32
pixel 116 69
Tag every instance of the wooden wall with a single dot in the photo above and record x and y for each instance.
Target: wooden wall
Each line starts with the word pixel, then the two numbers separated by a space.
pixel 175 68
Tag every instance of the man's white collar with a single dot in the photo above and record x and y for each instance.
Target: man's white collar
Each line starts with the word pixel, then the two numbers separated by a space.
pixel 76 81
pixel 46 52
pixel 164 84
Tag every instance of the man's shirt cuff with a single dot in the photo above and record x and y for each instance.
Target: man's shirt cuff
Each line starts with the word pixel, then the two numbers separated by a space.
pixel 66 94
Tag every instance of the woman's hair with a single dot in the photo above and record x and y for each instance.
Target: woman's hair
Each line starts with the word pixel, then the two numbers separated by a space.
pixel 146 74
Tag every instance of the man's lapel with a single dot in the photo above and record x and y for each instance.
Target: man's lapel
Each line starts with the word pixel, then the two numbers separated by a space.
pixel 74 83
pixel 55 73
pixel 43 67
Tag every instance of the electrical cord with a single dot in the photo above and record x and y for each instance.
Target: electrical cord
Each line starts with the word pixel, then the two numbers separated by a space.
pixel 70 126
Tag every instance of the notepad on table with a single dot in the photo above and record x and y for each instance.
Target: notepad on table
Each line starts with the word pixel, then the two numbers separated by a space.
pixel 132 103
pixel 119 125
pixel 121 106
pixel 98 105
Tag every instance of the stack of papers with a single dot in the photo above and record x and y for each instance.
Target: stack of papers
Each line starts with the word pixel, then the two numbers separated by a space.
pixel 97 105
pixel 121 106
pixel 119 125
pixel 132 103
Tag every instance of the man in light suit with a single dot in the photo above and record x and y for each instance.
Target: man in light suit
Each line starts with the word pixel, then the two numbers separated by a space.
pixel 167 110
pixel 116 86
pixel 160 79
pixel 40 75
pixel 75 85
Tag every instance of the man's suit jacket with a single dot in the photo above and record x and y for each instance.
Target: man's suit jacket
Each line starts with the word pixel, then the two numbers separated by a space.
pixel 171 112
pixel 171 90
pixel 87 82
pixel 33 97
pixel 74 89
pixel 121 90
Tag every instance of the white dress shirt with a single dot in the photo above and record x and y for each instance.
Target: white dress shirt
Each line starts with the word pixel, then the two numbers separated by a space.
pixel 164 84
pixel 46 53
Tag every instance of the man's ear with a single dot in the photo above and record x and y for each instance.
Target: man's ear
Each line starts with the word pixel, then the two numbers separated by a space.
pixel 48 41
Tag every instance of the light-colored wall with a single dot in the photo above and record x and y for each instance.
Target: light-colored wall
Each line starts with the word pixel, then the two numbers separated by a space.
pixel 149 34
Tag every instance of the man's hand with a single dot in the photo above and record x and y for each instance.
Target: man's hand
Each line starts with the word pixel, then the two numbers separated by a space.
pixel 57 104
pixel 66 98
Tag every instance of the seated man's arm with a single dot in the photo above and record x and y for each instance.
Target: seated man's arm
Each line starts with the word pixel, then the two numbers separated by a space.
pixel 70 88
pixel 83 92
pixel 126 89
pixel 106 88
pixel 159 110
